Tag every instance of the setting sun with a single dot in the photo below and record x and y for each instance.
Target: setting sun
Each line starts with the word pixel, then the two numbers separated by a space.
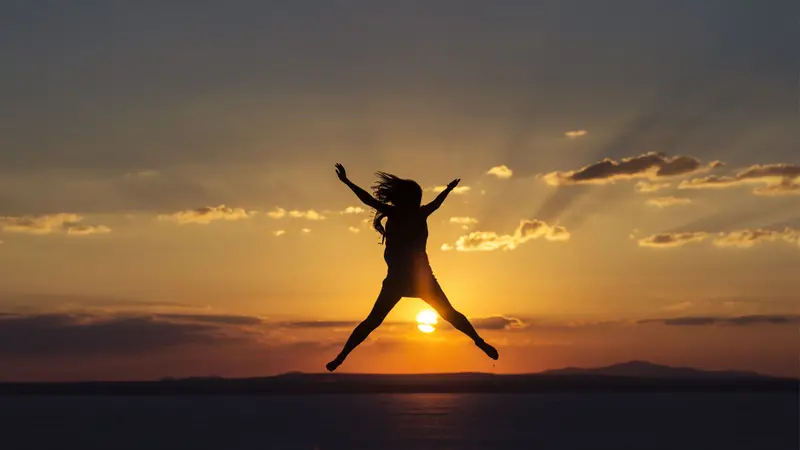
pixel 426 319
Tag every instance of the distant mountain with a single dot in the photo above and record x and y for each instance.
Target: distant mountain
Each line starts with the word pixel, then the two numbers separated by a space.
pixel 647 369
pixel 630 369
pixel 632 376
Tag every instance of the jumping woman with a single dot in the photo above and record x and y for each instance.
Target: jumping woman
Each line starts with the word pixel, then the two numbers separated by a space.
pixel 409 273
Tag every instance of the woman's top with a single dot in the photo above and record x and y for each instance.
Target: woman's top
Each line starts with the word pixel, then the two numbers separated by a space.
pixel 406 237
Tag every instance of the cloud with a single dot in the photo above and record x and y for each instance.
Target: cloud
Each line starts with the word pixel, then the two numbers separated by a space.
pixel 710 182
pixel 277 213
pixel 319 324
pixel 463 220
pixel 526 231
pixel 306 230
pixel 73 335
pixel 650 166
pixel 497 323
pixel 82 229
pixel 457 190
pixel 279 232
pixel 280 213
pixel 778 179
pixel 749 238
pixel 354 229
pixel 740 238
pixel 353 210
pixel 646 187
pixel 663 202
pixel 678 306
pixel 206 215
pixel 44 224
pixel 669 240
pixel 778 189
pixel 38 302
pixel 575 133
pixel 50 223
pixel 764 319
pixel 720 320
pixel 221 319
pixel 501 171
pixel 310 214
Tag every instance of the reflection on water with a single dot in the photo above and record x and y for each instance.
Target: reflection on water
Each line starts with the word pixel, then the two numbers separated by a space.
pixel 762 421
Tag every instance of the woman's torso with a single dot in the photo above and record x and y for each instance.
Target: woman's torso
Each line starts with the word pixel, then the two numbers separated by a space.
pixel 406 237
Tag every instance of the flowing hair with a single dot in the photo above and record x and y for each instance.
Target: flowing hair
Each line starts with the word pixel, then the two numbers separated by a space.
pixel 391 189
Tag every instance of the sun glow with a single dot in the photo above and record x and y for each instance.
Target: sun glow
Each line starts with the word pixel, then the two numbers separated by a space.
pixel 426 319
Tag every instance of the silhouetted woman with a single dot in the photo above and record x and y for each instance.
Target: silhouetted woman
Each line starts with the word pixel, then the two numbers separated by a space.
pixel 409 274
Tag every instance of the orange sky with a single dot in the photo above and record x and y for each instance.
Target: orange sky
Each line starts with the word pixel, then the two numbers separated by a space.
pixel 167 210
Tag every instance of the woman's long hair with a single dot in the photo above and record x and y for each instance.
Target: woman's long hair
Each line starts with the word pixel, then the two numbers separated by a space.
pixel 391 189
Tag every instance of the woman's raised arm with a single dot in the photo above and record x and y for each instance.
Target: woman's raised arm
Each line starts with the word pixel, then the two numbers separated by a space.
pixel 362 195
pixel 437 202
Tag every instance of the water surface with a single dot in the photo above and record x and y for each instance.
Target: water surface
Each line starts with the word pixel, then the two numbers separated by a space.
pixel 724 421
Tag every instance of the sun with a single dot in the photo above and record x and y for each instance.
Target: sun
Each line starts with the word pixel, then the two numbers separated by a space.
pixel 426 319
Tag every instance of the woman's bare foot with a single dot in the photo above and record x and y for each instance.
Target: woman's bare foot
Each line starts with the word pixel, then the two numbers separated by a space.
pixel 333 365
pixel 490 351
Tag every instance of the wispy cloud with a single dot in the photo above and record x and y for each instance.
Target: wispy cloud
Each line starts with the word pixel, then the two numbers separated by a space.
pixel 497 323
pixel 647 187
pixel 26 335
pixel 463 220
pixel 781 188
pixel 777 179
pixel 723 320
pixel 222 319
pixel 678 306
pixel 740 238
pixel 310 214
pixel 279 232
pixel 44 224
pixel 663 202
pixel 71 224
pixel 354 229
pixel 457 190
pixel 671 240
pixel 650 166
pixel 353 210
pixel 501 171
pixel 29 302
pixel 749 238
pixel 318 324
pixel 280 213
pixel 526 231
pixel 277 213
pixel 206 215
pixel 92 335
pixel 575 134
pixel 83 229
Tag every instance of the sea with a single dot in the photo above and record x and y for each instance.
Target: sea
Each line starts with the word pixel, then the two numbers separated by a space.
pixel 574 421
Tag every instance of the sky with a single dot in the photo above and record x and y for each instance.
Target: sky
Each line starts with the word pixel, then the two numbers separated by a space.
pixel 630 183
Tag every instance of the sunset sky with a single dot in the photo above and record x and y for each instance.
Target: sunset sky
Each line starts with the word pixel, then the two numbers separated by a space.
pixel 168 203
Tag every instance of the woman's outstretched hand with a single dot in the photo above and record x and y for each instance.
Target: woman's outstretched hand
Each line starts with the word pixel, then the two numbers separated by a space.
pixel 341 173
pixel 453 184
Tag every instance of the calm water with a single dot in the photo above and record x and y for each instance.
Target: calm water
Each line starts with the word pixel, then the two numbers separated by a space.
pixel 427 421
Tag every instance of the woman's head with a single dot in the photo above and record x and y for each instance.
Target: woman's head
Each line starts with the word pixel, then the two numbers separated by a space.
pixel 397 191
